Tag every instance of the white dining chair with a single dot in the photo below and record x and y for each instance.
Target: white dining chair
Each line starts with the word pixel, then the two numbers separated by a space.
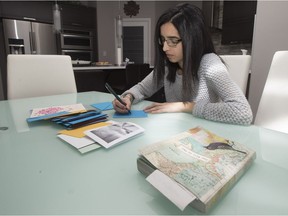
pixel 273 107
pixel 238 67
pixel 1 87
pixel 39 75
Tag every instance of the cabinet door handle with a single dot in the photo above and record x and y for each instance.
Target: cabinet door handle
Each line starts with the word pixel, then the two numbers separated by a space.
pixel 76 24
pixel 29 18
pixel 75 36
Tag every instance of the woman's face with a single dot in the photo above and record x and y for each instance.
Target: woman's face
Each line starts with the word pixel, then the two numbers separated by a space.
pixel 172 45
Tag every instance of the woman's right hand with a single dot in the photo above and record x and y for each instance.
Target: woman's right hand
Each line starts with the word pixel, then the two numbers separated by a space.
pixel 119 107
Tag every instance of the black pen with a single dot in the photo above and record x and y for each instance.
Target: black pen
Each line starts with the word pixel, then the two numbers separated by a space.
pixel 109 88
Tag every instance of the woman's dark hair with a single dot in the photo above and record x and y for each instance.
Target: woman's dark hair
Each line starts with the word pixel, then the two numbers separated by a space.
pixel 196 41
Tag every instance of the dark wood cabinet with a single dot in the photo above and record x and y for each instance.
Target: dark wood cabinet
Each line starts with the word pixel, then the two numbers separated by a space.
pixel 91 80
pixel 40 11
pixel 78 16
pixel 75 15
pixel 238 21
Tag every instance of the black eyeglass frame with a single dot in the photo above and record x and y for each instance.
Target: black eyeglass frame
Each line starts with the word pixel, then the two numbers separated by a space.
pixel 171 42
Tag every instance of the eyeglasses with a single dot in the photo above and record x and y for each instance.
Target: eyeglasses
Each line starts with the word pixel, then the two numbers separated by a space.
pixel 171 42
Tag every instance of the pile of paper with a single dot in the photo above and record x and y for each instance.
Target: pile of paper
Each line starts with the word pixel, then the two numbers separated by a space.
pixel 106 134
pixel 70 116
pixel 86 127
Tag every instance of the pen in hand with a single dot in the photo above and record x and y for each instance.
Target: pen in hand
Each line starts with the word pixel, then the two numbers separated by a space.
pixel 109 88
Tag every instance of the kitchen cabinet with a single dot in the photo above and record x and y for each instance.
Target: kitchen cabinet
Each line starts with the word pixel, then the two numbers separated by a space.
pixel 238 22
pixel 40 11
pixel 78 16
pixel 95 79
pixel 91 81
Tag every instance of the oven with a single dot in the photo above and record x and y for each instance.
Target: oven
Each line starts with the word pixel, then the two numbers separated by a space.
pixel 76 39
pixel 78 44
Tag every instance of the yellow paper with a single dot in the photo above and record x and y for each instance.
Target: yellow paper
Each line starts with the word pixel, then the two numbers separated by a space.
pixel 79 132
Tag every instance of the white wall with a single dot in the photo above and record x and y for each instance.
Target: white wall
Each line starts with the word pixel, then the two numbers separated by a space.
pixel 270 35
pixel 108 10
pixel 106 13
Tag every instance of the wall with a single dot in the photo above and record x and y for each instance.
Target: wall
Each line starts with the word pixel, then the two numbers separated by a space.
pixel 108 10
pixel 270 35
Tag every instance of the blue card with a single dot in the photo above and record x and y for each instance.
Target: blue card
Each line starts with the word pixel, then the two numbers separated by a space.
pixel 132 114
pixel 103 106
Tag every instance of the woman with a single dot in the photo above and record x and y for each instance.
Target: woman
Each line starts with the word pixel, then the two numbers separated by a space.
pixel 195 79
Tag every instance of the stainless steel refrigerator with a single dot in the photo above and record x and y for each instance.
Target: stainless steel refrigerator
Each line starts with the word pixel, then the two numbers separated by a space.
pixel 28 37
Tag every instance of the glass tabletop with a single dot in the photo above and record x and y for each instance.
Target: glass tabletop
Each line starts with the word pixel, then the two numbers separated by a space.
pixel 40 174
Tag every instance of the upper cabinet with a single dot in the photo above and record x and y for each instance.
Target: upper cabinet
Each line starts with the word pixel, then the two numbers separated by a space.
pixel 78 16
pixel 73 15
pixel 40 11
pixel 238 21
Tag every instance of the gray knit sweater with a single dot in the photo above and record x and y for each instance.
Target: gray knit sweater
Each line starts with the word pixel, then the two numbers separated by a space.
pixel 215 95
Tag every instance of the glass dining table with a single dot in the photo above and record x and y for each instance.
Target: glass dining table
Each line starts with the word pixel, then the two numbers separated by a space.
pixel 41 174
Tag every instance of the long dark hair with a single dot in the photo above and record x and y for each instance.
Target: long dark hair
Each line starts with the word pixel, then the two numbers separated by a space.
pixel 196 41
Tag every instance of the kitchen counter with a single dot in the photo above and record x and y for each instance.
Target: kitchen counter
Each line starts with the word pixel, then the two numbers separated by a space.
pixel 95 68
pixel 93 78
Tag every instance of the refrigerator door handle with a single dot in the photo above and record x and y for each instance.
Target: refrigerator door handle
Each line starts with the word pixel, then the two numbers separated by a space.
pixel 32 42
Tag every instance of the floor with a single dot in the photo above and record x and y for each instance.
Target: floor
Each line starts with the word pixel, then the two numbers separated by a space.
pixel 232 49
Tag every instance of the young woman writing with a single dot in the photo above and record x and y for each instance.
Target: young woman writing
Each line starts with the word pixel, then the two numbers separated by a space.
pixel 194 77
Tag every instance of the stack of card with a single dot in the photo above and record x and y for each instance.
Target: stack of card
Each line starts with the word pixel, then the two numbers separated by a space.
pixel 70 116
pixel 81 119
pixel 106 134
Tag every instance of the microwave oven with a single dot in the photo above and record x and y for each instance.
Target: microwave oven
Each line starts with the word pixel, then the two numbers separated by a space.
pixel 76 39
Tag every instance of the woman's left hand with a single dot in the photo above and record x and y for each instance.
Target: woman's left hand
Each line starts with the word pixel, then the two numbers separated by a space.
pixel 170 107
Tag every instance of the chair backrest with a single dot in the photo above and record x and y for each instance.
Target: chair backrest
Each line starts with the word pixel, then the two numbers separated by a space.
pixel 136 73
pixel 1 87
pixel 273 107
pixel 39 75
pixel 238 67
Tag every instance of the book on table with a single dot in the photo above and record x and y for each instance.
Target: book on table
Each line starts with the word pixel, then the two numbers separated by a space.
pixel 195 167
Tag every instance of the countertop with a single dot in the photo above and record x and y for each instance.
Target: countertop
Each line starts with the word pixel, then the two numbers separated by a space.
pixel 92 68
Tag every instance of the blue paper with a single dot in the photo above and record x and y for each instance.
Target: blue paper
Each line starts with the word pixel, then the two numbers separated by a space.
pixel 77 116
pixel 103 106
pixel 132 114
pixel 86 118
